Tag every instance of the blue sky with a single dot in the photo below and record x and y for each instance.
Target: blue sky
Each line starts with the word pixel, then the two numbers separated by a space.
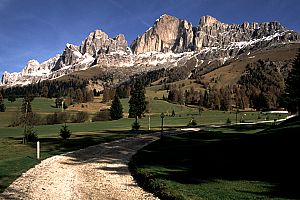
pixel 39 29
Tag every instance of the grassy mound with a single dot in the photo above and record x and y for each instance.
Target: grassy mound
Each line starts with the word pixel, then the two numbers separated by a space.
pixel 216 165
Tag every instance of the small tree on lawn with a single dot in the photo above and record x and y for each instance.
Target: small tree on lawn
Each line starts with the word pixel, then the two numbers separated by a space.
pixel 2 106
pixel 65 133
pixel 26 119
pixel 116 109
pixel 137 102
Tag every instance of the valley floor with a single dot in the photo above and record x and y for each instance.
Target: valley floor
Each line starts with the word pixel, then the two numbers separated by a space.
pixel 97 172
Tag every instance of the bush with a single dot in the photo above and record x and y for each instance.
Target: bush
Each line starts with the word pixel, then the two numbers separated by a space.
pixel 33 119
pixel 102 115
pixel 30 134
pixel 2 108
pixel 80 117
pixel 57 118
pixel 192 123
pixel 65 133
pixel 228 121
pixel 135 126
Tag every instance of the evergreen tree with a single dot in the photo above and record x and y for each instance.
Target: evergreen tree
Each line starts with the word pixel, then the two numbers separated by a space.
pixel 2 106
pixel 64 132
pixel 11 98
pixel 78 95
pixel 45 91
pixel 292 91
pixel 26 105
pixel 27 119
pixel 116 110
pixel 137 102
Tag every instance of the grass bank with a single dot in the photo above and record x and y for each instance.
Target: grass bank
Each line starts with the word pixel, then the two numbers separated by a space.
pixel 222 165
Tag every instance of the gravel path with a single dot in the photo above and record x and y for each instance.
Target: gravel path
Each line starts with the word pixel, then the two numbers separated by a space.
pixel 98 172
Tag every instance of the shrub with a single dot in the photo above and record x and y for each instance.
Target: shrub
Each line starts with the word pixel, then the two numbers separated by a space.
pixel 192 123
pixel 228 121
pixel 33 119
pixel 2 108
pixel 80 117
pixel 57 118
pixel 65 133
pixel 135 126
pixel 102 115
pixel 30 134
pixel 65 106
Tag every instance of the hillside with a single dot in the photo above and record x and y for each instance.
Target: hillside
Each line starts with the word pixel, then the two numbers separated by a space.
pixel 230 72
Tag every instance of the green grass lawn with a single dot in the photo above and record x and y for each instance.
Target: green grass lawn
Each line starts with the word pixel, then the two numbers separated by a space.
pixel 40 105
pixel 16 158
pixel 219 164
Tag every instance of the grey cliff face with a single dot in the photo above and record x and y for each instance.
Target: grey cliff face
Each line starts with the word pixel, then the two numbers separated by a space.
pixel 98 42
pixel 168 34
pixel 175 35
pixel 169 43
pixel 213 33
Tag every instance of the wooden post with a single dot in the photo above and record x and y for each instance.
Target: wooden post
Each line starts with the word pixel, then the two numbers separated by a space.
pixel 162 115
pixel 149 127
pixel 38 150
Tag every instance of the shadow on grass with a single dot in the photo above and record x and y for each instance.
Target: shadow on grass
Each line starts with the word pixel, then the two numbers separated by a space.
pixel 197 158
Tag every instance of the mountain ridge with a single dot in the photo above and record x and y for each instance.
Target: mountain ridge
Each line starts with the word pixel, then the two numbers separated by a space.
pixel 169 41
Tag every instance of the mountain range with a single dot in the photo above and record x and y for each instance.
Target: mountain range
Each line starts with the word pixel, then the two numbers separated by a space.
pixel 171 43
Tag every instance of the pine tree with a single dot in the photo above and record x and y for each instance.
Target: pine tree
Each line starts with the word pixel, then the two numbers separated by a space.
pixel 64 132
pixel 78 95
pixel 116 110
pixel 2 106
pixel 292 91
pixel 45 91
pixel 137 102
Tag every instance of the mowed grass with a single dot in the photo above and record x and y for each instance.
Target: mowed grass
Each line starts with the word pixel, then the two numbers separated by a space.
pixel 42 106
pixel 16 158
pixel 218 165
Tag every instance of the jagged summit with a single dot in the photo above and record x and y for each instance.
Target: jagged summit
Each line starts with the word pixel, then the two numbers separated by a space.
pixel 168 43
pixel 167 34
pixel 208 21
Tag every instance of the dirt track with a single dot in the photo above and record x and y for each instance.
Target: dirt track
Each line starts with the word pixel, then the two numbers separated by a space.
pixel 98 172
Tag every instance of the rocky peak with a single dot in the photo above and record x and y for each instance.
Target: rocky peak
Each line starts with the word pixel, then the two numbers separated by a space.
pixel 168 34
pixel 31 67
pixel 209 21
pixel 99 42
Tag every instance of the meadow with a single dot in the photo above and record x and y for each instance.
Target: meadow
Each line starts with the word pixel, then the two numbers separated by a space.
pixel 16 158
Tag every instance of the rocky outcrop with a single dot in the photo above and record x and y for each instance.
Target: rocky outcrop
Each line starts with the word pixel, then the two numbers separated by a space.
pixel 213 33
pixel 98 42
pixel 33 71
pixel 176 35
pixel 171 42
pixel 168 34
pixel 91 50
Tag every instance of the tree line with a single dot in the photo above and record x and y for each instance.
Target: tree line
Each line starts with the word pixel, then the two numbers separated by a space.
pixel 49 88
pixel 262 86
